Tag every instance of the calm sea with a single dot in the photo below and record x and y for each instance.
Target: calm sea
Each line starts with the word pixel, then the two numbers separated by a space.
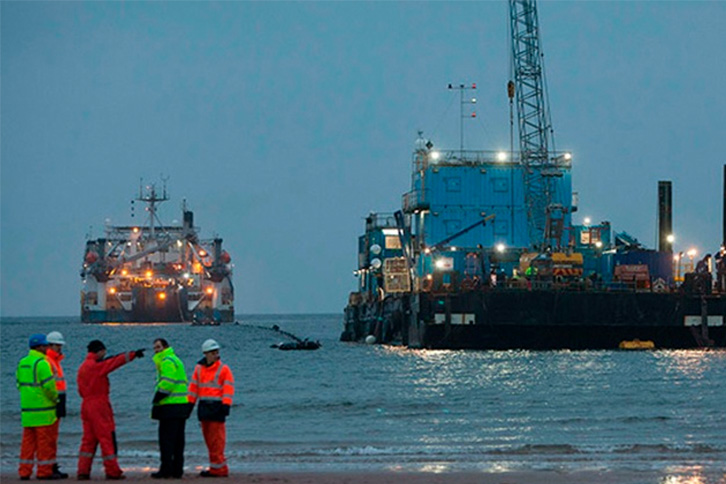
pixel 350 407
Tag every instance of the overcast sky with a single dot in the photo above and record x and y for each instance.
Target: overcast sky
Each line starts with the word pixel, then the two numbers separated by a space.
pixel 284 124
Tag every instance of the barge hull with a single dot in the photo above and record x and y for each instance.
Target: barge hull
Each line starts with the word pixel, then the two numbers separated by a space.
pixel 539 320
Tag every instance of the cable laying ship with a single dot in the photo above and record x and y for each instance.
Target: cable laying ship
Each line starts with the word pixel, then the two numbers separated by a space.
pixel 483 253
pixel 156 272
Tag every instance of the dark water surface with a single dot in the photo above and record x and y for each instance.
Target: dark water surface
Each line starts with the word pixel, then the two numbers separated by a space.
pixel 349 407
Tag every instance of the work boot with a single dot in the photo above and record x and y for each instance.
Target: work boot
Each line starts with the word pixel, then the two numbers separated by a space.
pixel 159 475
pixel 115 478
pixel 83 477
pixel 56 470
pixel 52 477
pixel 209 474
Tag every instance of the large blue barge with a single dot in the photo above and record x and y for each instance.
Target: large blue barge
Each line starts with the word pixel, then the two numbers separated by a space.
pixel 483 252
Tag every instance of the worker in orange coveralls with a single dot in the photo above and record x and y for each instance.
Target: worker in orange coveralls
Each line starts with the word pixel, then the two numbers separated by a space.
pixel 213 385
pixel 38 398
pixel 55 355
pixel 96 412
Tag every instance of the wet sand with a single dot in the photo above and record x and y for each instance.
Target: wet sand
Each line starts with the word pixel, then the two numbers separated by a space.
pixel 393 477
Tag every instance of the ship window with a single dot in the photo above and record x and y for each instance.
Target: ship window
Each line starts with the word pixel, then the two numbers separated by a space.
pixel 453 184
pixel 393 242
pixel 500 184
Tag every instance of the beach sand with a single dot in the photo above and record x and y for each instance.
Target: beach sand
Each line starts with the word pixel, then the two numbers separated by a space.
pixel 393 477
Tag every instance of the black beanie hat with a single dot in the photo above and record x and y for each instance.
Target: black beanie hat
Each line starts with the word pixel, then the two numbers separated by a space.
pixel 95 346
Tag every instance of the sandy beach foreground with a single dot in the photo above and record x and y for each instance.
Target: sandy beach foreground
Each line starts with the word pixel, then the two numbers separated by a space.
pixel 393 477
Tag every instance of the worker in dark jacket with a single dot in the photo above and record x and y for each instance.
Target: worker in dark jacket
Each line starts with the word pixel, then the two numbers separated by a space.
pixel 213 385
pixel 171 409
pixel 96 412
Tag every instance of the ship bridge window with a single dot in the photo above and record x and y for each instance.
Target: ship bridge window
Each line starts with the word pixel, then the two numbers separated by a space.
pixel 453 184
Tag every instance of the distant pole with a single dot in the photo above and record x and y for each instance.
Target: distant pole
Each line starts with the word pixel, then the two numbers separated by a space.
pixel 723 237
pixel 665 216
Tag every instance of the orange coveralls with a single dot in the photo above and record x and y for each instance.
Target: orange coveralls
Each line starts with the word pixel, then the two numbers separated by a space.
pixel 96 412
pixel 213 386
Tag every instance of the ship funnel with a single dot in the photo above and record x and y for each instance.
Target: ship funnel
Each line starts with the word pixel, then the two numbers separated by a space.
pixel 665 216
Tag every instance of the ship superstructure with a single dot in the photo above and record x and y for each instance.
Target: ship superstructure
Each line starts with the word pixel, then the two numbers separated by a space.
pixel 155 272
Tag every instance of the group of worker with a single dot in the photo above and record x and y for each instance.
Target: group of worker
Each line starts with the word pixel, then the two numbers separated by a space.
pixel 42 386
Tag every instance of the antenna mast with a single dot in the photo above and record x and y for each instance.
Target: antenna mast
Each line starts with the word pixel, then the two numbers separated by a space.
pixel 461 88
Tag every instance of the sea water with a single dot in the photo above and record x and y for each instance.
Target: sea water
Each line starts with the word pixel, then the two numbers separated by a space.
pixel 358 407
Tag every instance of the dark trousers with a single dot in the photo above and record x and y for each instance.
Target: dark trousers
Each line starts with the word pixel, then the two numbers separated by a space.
pixel 171 445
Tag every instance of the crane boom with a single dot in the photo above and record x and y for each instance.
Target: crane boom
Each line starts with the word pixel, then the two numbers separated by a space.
pixel 535 126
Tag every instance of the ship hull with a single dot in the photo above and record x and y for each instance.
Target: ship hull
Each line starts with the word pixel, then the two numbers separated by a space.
pixel 147 307
pixel 120 316
pixel 539 320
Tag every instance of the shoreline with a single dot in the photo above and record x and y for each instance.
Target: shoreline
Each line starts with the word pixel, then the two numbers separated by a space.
pixel 407 477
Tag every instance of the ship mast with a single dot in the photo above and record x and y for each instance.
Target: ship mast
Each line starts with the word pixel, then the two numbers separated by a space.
pixel 462 102
pixel 150 196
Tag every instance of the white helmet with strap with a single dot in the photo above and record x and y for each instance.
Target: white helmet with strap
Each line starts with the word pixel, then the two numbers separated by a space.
pixel 55 338
pixel 209 345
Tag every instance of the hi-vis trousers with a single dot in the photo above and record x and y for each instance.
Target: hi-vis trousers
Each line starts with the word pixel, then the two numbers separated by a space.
pixel 40 442
pixel 215 436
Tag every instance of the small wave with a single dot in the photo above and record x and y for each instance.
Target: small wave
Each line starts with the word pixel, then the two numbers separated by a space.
pixel 537 449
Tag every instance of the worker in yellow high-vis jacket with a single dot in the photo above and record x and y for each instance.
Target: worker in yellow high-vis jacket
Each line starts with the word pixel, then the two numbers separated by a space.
pixel 38 400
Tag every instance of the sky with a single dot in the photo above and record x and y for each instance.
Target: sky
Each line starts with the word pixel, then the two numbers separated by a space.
pixel 283 124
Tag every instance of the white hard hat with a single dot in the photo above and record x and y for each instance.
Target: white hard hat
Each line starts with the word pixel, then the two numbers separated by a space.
pixel 209 345
pixel 55 338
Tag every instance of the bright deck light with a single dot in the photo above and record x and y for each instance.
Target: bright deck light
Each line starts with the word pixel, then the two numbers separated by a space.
pixel 435 155
pixel 502 156
pixel 501 247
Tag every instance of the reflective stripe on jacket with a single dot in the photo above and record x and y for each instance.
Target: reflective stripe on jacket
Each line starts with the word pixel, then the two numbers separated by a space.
pixel 213 386
pixel 38 393
pixel 214 382
pixel 54 358
pixel 171 379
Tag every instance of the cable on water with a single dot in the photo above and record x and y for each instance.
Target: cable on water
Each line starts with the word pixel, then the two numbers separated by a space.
pixel 296 344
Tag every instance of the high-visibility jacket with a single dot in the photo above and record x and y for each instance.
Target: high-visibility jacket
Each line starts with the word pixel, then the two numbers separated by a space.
pixel 213 386
pixel 38 393
pixel 170 398
pixel 171 379
pixel 54 358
